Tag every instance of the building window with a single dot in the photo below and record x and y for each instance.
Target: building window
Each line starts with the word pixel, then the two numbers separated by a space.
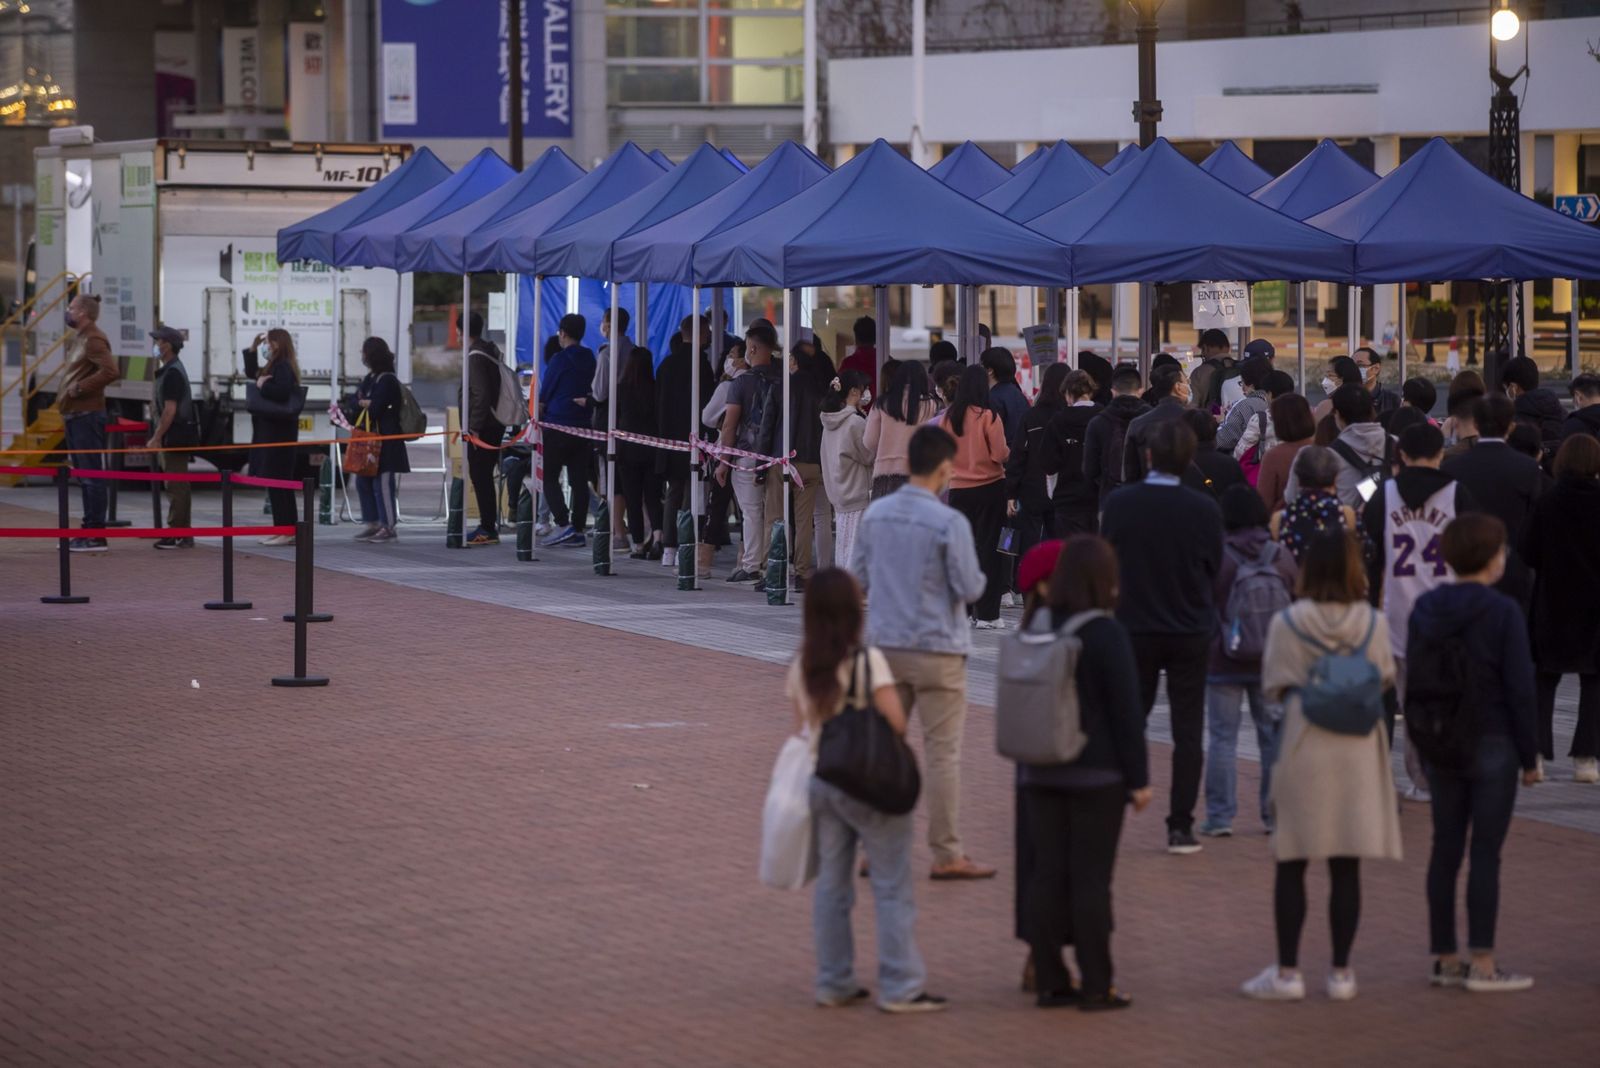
pixel 704 52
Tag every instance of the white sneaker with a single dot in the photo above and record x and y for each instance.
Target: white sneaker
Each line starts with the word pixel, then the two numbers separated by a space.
pixel 1342 987
pixel 1500 982
pixel 1538 769
pixel 669 558
pixel 988 624
pixel 1009 600
pixel 541 529
pixel 1417 794
pixel 1585 769
pixel 1271 985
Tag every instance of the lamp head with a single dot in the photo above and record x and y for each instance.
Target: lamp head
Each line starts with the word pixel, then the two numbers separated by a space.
pixel 1504 24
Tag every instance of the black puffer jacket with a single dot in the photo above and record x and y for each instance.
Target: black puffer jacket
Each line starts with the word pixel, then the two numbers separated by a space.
pixel 1582 421
pixel 1066 445
pixel 1104 442
pixel 1542 408
pixel 1026 477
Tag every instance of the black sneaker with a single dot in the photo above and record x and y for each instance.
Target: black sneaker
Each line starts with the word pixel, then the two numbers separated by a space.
pixel 175 543
pixel 1182 843
pixel 87 545
pixel 740 575
pixel 1110 1000
pixel 844 1001
pixel 921 1003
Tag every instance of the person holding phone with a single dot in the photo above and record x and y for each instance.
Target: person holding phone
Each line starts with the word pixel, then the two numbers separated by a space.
pixel 271 361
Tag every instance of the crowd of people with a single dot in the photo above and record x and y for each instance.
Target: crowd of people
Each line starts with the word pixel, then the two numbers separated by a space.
pixel 1330 569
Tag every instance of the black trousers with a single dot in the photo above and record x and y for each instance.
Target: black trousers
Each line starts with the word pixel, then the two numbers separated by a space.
pixel 564 452
pixel 985 509
pixel 1344 908
pixel 279 463
pixel 1481 800
pixel 480 469
pixel 677 486
pixel 1183 658
pixel 641 490
pixel 719 503
pixel 1067 899
pixel 1070 520
pixel 1586 738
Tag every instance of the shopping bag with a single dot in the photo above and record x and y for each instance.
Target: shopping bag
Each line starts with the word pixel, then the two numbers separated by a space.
pixel 788 840
pixel 361 451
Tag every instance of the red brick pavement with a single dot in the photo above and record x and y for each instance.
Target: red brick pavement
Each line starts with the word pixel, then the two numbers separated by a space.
pixel 455 856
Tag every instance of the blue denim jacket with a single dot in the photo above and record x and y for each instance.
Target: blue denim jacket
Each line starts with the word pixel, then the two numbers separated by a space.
pixel 915 557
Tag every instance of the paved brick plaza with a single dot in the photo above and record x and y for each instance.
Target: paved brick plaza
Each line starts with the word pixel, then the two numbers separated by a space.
pixel 505 838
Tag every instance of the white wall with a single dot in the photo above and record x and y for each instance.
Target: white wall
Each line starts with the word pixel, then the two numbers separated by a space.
pixel 1429 81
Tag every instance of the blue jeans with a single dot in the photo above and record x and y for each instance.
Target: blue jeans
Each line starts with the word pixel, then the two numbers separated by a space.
pixel 377 494
pixel 841 820
pixel 1483 798
pixel 1223 699
pixel 86 436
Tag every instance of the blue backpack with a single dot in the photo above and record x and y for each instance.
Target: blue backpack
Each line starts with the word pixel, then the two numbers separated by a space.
pixel 1343 692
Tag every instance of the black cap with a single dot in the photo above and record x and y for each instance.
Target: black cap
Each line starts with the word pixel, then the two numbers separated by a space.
pixel 1260 347
pixel 171 335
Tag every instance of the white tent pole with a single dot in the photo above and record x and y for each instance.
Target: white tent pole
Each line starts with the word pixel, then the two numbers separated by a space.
pixel 1400 329
pixel 1072 324
pixel 535 473
pixel 614 347
pixel 696 470
pixel 461 441
pixel 1352 320
pixel 791 334
pixel 1300 334
pixel 961 324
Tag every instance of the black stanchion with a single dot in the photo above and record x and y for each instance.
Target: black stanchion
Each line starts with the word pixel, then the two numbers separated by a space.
pixel 525 527
pixel 227 603
pixel 62 521
pixel 303 550
pixel 115 439
pixel 302 599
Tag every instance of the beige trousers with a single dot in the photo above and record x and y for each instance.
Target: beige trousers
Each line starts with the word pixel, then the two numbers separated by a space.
pixel 933 686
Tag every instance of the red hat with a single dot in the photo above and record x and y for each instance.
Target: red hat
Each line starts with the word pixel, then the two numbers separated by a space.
pixel 1037 564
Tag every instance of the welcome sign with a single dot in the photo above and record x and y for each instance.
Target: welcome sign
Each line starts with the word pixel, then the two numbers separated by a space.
pixel 447 68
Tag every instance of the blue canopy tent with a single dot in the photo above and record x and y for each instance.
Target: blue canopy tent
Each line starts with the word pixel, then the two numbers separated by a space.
pixel 312 239
pixel 662 158
pixel 662 253
pixel 508 245
pixel 970 170
pixel 441 245
pixel 1324 178
pixel 1436 217
pixel 879 220
pixel 373 243
pixel 1230 164
pixel 1029 160
pixel 727 154
pixel 1122 159
pixel 1059 174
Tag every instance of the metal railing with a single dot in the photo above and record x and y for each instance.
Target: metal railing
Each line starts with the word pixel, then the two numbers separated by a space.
pixel 27 370
pixel 1007 25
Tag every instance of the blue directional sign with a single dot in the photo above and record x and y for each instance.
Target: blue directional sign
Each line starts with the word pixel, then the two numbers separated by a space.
pixel 1585 207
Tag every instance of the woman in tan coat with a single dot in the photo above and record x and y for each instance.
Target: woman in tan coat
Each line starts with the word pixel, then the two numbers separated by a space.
pixel 1332 793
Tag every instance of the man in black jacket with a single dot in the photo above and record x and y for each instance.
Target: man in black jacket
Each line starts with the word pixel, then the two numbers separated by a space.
pixel 1585 418
pixel 1533 405
pixel 809 374
pixel 1075 503
pixel 1169 393
pixel 1169 548
pixel 1385 401
pixel 1504 483
pixel 677 414
pixel 1213 470
pixel 1108 432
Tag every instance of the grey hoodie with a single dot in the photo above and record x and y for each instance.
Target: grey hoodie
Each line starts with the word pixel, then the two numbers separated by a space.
pixel 1370 442
pixel 846 460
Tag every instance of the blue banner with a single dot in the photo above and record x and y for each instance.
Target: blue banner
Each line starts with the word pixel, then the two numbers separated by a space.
pixel 446 68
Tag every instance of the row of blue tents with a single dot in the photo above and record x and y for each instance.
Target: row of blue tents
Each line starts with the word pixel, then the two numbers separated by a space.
pixel 1056 219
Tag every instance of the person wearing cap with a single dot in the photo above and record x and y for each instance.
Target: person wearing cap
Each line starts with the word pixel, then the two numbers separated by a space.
pixel 1233 389
pixel 172 408
pixel 1250 406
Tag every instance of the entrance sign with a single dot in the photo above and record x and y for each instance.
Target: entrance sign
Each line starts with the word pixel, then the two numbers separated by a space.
pixel 1222 305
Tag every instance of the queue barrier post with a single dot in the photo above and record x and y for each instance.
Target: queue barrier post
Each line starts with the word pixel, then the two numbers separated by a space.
pixel 227 603
pixel 303 548
pixel 65 566
pixel 302 595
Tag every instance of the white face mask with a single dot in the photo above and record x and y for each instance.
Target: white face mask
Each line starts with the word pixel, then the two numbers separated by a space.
pixel 1329 385
pixel 155 350
pixel 264 351
pixel 866 397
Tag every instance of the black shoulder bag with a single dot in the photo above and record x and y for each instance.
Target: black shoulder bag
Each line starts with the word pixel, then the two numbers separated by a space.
pixel 860 753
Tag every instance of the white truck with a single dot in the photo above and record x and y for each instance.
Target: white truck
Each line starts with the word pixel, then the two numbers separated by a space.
pixel 184 234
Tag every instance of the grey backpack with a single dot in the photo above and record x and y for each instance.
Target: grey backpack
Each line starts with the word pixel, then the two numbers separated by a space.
pixel 1258 594
pixel 1036 718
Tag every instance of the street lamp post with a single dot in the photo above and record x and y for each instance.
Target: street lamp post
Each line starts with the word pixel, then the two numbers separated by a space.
pixel 1502 314
pixel 1147 113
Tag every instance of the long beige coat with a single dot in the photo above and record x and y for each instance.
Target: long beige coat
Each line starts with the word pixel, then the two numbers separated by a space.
pixel 1332 794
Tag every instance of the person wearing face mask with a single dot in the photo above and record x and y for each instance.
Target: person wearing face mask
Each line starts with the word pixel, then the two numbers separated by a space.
pixel 1342 371
pixel 1385 401
pixel 846 460
pixel 173 408
pixel 82 402
pixel 916 559
pixel 277 372
pixel 1169 393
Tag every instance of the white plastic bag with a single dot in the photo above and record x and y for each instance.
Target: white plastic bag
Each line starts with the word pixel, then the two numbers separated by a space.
pixel 788 841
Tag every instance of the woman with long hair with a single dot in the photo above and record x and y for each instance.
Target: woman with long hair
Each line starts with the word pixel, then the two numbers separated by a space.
pixel 906 405
pixel 978 488
pixel 1027 478
pixel 636 464
pixel 1333 794
pixel 1075 502
pixel 831 668
pixel 1072 813
pixel 380 398
pixel 278 379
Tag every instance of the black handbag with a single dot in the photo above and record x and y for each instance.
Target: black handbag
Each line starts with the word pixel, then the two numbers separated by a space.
pixel 258 403
pixel 863 756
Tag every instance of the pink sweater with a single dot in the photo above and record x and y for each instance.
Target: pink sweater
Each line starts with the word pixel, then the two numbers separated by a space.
pixel 888 439
pixel 981 450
